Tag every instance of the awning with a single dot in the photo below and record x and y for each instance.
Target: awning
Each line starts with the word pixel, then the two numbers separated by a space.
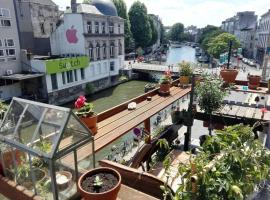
pixel 20 77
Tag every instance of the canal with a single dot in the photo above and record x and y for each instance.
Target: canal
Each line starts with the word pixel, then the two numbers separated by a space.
pixel 176 55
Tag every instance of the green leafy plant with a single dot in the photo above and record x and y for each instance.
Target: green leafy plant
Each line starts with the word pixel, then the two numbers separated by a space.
pixel 3 109
pixel 90 88
pixel 185 68
pixel 230 166
pixel 44 145
pixel 98 182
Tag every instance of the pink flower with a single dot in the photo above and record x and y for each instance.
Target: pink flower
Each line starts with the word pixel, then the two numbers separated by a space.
pixel 82 98
pixel 167 73
pixel 79 103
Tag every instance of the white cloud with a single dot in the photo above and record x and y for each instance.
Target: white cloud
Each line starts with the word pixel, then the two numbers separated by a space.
pixel 195 12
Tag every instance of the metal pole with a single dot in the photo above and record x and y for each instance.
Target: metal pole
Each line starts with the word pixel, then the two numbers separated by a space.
pixel 93 152
pixel 33 177
pixel 229 54
pixel 76 165
pixel 190 117
pixel 53 179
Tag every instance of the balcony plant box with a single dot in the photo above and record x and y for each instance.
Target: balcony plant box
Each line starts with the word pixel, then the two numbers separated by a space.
pixel 254 82
pixel 86 114
pixel 165 84
pixel 228 75
pixel 100 184
pixel 185 73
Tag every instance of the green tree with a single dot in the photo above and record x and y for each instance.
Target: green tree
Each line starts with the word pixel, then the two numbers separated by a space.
pixel 177 32
pixel 220 44
pixel 140 25
pixel 162 34
pixel 122 12
pixel 206 31
pixel 154 32
pixel 206 41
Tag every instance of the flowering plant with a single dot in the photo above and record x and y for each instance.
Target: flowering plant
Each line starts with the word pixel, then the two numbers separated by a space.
pixel 166 78
pixel 84 109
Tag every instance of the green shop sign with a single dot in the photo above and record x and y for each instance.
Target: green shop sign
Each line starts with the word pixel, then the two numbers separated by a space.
pixel 66 64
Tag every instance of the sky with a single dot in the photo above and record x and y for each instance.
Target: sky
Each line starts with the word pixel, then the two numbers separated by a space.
pixel 195 12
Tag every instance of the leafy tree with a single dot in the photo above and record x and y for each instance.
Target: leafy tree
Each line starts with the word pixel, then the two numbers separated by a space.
pixel 162 34
pixel 177 32
pixel 220 44
pixel 154 32
pixel 122 12
pixel 206 31
pixel 208 37
pixel 140 25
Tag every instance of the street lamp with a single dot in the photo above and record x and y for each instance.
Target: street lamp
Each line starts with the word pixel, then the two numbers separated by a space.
pixel 229 54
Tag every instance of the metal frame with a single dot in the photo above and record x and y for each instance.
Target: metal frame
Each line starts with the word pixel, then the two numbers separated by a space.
pixel 54 155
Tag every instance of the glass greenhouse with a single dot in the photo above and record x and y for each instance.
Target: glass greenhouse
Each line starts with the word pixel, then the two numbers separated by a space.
pixel 38 143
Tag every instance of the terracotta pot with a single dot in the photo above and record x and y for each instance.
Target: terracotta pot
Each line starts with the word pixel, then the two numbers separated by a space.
pixel 184 80
pixel 228 75
pixel 91 123
pixel 165 88
pixel 254 81
pixel 108 195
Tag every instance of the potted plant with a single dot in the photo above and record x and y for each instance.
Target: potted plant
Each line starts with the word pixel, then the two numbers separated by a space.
pixel 254 82
pixel 210 96
pixel 165 83
pixel 228 75
pixel 185 72
pixel 100 184
pixel 86 114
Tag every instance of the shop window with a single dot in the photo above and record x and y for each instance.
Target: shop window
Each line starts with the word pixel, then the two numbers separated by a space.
pixel 75 75
pixel 69 77
pixel 63 78
pixel 54 81
pixel 82 74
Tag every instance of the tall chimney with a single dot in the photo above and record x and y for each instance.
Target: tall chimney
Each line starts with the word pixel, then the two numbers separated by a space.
pixel 74 6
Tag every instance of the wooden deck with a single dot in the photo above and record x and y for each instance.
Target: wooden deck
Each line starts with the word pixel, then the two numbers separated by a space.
pixel 260 90
pixel 116 125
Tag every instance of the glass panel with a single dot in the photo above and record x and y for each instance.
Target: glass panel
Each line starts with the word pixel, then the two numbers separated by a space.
pixel 74 132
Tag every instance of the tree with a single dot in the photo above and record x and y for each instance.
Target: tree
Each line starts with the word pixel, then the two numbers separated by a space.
pixel 206 31
pixel 208 37
pixel 162 33
pixel 220 44
pixel 177 32
pixel 154 32
pixel 140 25
pixel 122 12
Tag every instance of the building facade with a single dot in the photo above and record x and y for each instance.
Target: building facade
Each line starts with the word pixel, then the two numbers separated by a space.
pixel 37 19
pixel 89 47
pixel 262 37
pixel 9 51
pixel 229 25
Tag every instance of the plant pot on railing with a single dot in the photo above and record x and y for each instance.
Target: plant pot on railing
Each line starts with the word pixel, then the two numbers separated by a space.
pixel 90 122
pixel 100 184
pixel 254 82
pixel 164 88
pixel 228 75
pixel 184 80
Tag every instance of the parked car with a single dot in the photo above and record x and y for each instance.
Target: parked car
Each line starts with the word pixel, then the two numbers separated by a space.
pixel 251 63
pixel 245 60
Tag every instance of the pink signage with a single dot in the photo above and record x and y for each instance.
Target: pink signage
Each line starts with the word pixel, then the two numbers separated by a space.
pixel 71 35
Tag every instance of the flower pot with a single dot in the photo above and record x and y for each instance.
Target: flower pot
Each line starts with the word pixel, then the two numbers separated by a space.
pixel 90 122
pixel 228 75
pixel 63 184
pixel 254 82
pixel 164 88
pixel 8 159
pixel 87 180
pixel 184 80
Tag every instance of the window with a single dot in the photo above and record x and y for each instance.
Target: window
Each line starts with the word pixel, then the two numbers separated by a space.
pixel 10 52
pixel 98 51
pixel 96 27
pixel 9 43
pixel 103 26
pixel 1 53
pixel 89 27
pixel 120 48
pixel 54 81
pixel 5 23
pixel 75 75
pixel 82 74
pixel 99 68
pixel 111 27
pixel 63 78
pixel 111 66
pixel 112 50
pixel 4 12
pixel 51 27
pixel 104 51
pixel 90 51
pixel 119 28
pixel 1 44
pixel 69 76
pixel 42 28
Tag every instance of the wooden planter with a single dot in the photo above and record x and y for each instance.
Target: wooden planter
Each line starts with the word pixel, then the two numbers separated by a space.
pixel 254 82
pixel 228 75
pixel 164 88
pixel 108 195
pixel 90 122
pixel 184 80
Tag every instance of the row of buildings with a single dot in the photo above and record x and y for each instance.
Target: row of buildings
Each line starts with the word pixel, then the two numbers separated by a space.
pixel 253 35
pixel 52 55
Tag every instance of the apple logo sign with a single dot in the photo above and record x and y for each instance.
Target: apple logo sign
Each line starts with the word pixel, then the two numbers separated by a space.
pixel 71 35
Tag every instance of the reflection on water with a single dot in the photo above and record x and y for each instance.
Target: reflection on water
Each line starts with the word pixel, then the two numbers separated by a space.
pixel 176 55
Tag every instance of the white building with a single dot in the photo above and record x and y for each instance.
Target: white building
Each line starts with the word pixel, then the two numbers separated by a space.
pixel 89 47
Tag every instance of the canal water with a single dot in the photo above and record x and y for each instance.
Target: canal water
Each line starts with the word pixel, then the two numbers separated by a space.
pixel 176 55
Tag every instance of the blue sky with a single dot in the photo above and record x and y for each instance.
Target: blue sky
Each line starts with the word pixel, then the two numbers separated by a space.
pixel 195 12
